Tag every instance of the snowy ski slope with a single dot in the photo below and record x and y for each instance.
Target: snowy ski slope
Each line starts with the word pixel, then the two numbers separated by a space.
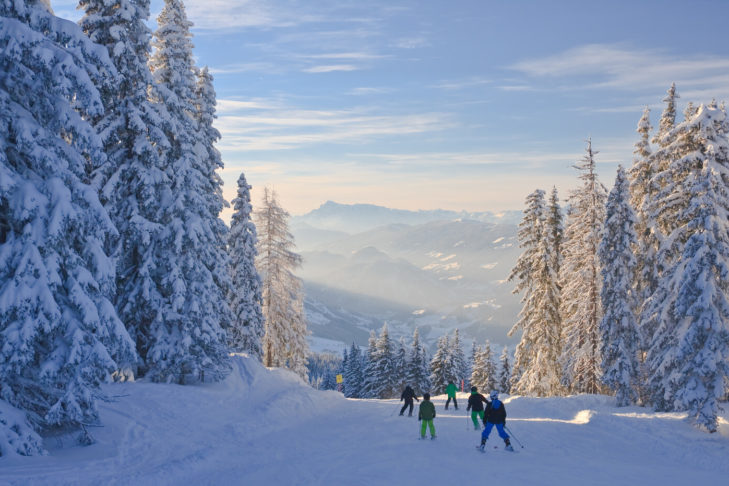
pixel 267 427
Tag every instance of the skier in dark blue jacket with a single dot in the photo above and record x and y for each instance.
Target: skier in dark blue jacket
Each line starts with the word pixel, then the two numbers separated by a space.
pixel 495 414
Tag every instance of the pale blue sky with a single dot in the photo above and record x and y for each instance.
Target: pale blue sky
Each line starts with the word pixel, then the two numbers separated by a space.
pixel 433 104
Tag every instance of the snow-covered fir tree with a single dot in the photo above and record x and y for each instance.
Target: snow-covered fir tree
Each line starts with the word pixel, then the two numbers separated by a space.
pixel 418 371
pixel 472 361
pixel 619 326
pixel 185 341
pixel 133 178
pixel 478 375
pixel 661 159
pixel 689 353
pixel 353 373
pixel 401 364
pixel 490 367
pixel 668 118
pixel 555 232
pixel 246 330
pixel 459 365
pixel 642 192
pixel 216 232
pixel 484 375
pixel 369 381
pixel 284 340
pixel 440 366
pixel 581 309
pixel 383 372
pixel 60 337
pixel 504 379
pixel 537 354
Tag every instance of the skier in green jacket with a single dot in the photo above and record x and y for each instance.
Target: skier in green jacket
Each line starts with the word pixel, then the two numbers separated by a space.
pixel 451 391
pixel 426 414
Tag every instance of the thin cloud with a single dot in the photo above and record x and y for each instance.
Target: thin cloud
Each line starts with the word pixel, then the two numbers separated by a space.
pixel 358 56
pixel 462 83
pixel 370 91
pixel 248 67
pixel 412 43
pixel 621 67
pixel 270 125
pixel 331 68
pixel 224 14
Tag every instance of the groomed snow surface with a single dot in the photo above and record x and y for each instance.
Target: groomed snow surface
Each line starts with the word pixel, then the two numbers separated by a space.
pixel 265 426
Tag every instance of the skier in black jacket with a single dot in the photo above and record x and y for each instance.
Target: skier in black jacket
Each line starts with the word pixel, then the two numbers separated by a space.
pixel 408 395
pixel 475 404
pixel 495 414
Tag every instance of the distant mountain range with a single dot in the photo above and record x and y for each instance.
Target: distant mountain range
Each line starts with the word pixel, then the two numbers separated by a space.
pixel 437 270
pixel 356 218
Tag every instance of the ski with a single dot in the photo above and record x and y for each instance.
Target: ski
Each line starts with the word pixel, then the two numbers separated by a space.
pixel 496 447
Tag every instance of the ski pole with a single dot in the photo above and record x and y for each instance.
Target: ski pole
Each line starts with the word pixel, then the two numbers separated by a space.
pixel 513 436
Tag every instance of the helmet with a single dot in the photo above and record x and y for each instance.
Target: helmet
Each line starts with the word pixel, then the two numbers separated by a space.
pixel 494 395
pixel 474 389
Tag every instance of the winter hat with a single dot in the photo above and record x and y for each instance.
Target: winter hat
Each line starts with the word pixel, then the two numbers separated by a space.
pixel 426 396
pixel 474 389
pixel 494 395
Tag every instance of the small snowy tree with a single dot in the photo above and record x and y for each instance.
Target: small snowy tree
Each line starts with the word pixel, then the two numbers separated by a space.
pixel 60 337
pixel 383 371
pixel 484 370
pixel 284 341
pixel 353 373
pixel 418 369
pixel 490 367
pixel 246 330
pixel 581 309
pixel 440 366
pixel 401 364
pixel 459 366
pixel 619 327
pixel 369 380
pixel 504 372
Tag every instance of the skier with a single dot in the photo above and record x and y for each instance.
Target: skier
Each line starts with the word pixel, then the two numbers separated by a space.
pixel 451 391
pixel 408 395
pixel 426 414
pixel 475 404
pixel 495 414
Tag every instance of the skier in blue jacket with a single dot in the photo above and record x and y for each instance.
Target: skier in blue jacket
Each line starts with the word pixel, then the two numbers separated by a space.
pixel 495 414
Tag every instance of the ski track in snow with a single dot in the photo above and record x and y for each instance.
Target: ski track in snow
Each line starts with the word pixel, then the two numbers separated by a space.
pixel 267 427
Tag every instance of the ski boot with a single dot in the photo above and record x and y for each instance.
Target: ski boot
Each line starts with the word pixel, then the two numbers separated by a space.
pixel 508 445
pixel 482 447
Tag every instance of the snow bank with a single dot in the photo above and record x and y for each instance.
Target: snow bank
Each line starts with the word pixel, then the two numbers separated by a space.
pixel 16 435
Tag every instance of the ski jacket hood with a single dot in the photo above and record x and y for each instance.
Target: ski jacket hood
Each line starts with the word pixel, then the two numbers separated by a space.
pixel 495 412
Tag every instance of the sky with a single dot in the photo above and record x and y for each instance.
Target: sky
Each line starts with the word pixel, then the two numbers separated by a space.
pixel 426 104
